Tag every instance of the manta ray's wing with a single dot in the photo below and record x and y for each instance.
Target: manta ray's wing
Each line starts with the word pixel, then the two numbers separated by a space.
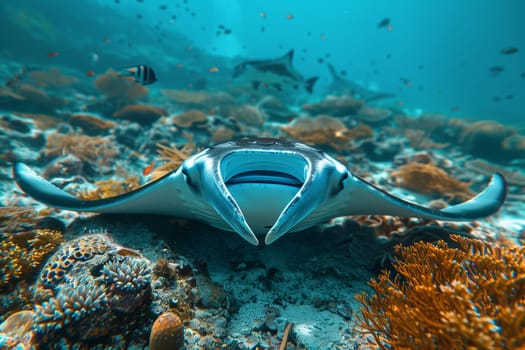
pixel 281 66
pixel 169 195
pixel 359 197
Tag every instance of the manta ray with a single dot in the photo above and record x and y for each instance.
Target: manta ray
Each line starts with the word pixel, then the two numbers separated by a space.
pixel 278 73
pixel 260 186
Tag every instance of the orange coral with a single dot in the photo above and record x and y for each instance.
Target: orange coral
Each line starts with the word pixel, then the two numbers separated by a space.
pixel 470 297
pixel 429 179
pixel 173 157
pixel 86 148
pixel 118 88
pixel 22 253
pixel 110 188
pixel 326 130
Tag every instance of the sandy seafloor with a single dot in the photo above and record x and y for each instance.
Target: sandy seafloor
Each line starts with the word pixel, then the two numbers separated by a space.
pixel 243 296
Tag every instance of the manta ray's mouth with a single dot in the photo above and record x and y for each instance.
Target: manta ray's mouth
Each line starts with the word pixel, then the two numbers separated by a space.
pixel 265 177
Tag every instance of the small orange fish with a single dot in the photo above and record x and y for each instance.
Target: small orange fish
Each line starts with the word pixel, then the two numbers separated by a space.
pixel 213 70
pixel 90 73
pixel 53 54
pixel 263 14
pixel 289 16
pixel 107 40
pixel 148 169
pixel 179 66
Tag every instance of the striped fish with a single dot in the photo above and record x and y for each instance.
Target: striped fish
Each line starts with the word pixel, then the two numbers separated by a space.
pixel 142 74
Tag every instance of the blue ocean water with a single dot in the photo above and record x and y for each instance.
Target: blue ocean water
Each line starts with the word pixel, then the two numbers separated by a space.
pixel 445 49
pixel 101 97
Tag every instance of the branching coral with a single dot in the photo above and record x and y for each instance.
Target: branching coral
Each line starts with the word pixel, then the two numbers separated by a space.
pixel 173 157
pixel 88 149
pixel 470 297
pixel 429 179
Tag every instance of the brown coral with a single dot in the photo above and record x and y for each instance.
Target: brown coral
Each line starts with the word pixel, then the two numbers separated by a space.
pixel 429 179
pixel 91 124
pixel 142 114
pixel 118 88
pixel 190 118
pixel 326 130
pixel 470 297
pixel 337 106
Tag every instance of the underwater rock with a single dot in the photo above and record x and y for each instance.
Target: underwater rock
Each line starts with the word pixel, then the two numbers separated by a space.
pixel 142 114
pixel 212 295
pixel 167 333
pixel 337 106
pixel 90 124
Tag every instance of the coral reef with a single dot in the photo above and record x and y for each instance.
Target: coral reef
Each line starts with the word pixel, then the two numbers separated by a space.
pixel 52 78
pixel 91 125
pixel 429 179
pixel 326 130
pixel 119 89
pixel 449 298
pixel 22 253
pixel 201 100
pixel 89 149
pixel 172 157
pixel 190 118
pixel 91 288
pixel 142 114
pixel 167 332
pixel 492 141
pixel 373 115
pixel 110 188
pixel 337 106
